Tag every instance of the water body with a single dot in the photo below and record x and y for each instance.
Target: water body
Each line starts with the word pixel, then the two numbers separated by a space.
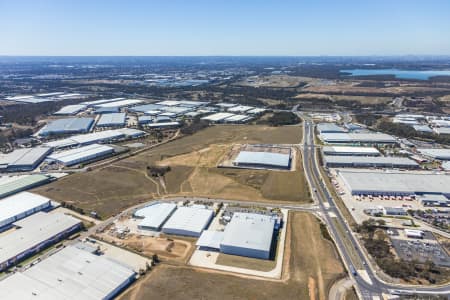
pixel 400 74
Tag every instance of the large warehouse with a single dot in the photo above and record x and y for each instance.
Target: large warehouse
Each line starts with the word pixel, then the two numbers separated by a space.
pixel 154 215
pixel 67 126
pixel 248 235
pixel 33 234
pixel 436 153
pixel 112 120
pixel 70 274
pixel 395 184
pixel 358 138
pixel 70 109
pixel 189 221
pixel 82 154
pixel 25 159
pixel 16 184
pixel 19 206
pixel 335 161
pixel 120 103
pixel 351 151
pixel 329 128
pixel 251 159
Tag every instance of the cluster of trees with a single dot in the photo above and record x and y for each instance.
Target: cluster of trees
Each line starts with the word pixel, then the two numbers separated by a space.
pixel 157 171
pixel 406 131
pixel 195 125
pixel 72 207
pixel 282 118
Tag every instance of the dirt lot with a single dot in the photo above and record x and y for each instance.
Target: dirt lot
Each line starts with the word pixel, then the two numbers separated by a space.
pixel 192 160
pixel 313 267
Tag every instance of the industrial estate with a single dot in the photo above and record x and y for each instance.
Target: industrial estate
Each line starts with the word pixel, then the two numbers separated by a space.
pixel 222 182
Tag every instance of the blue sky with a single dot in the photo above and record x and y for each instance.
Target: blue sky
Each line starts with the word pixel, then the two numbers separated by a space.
pixel 224 27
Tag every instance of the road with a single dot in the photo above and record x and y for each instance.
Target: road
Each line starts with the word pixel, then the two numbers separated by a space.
pixel 329 211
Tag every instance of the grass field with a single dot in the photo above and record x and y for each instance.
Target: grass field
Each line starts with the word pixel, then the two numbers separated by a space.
pixel 312 268
pixel 192 160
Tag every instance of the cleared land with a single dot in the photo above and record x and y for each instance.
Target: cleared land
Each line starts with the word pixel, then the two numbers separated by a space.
pixel 313 267
pixel 192 160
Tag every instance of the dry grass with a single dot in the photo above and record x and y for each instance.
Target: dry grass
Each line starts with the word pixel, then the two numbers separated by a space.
pixel 246 262
pixel 192 159
pixel 313 263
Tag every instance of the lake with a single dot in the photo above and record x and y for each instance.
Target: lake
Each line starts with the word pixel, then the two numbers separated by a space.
pixel 400 74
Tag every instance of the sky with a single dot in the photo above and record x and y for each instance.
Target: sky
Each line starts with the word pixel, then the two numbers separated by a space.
pixel 224 27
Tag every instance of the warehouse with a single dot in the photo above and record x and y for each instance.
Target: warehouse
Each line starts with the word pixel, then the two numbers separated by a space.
pixel 436 153
pixel 189 221
pixel 70 274
pixel 329 128
pixel 120 103
pixel 163 125
pixel 12 185
pixel 177 110
pixel 251 159
pixel 358 138
pixel 350 151
pixel 106 110
pixel 25 159
pixel 218 117
pixel 19 206
pixel 34 234
pixel 249 235
pixel 70 109
pixel 67 126
pixel 82 154
pixel 423 128
pixel 130 132
pixel 142 120
pixel 240 108
pixel 102 101
pixel 112 120
pixel 146 107
pixel 335 161
pixel 256 111
pixel 433 200
pixel 238 119
pixel 154 215
pixel 210 240
pixel 442 131
pixel 394 183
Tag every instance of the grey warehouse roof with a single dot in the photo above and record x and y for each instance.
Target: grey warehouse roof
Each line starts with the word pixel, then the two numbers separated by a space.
pixel 191 219
pixel 398 182
pixel 251 231
pixel 329 127
pixel 20 183
pixel 70 274
pixel 19 205
pixel 369 161
pixel 154 215
pixel 112 119
pixel 23 157
pixel 357 138
pixel 437 153
pixel 210 239
pixel 263 158
pixel 69 125
pixel 70 109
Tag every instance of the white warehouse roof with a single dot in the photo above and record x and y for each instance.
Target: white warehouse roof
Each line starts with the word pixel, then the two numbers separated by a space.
pixel 210 239
pixel 346 150
pixel 248 231
pixel 155 215
pixel 20 205
pixel 26 157
pixel 357 138
pixel 190 221
pixel 78 155
pixel 70 109
pixel 403 183
pixel 437 153
pixel 34 230
pixel 217 117
pixel 70 274
pixel 120 103
pixel 263 158
pixel 368 161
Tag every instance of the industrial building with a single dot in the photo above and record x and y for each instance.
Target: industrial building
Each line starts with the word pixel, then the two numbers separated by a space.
pixel 435 153
pixel 433 200
pixel 16 184
pixel 336 161
pixel 358 138
pixel 163 125
pixel 423 128
pixel 106 110
pixel 146 108
pixel 218 117
pixel 120 103
pixel 154 215
pixel 414 234
pixel 210 240
pixel 240 108
pixel 19 206
pixel 238 119
pixel 25 159
pixel 248 234
pixel 82 154
pixel 33 234
pixel 253 159
pixel 189 221
pixel 101 101
pixel 142 120
pixel 329 128
pixel 350 151
pixel 67 126
pixel 395 183
pixel 70 274
pixel 112 120
pixel 442 130
pixel 70 109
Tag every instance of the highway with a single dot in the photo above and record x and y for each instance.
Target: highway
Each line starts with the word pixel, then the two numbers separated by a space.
pixel 328 209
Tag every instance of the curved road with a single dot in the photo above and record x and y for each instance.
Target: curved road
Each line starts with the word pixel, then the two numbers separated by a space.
pixel 329 210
